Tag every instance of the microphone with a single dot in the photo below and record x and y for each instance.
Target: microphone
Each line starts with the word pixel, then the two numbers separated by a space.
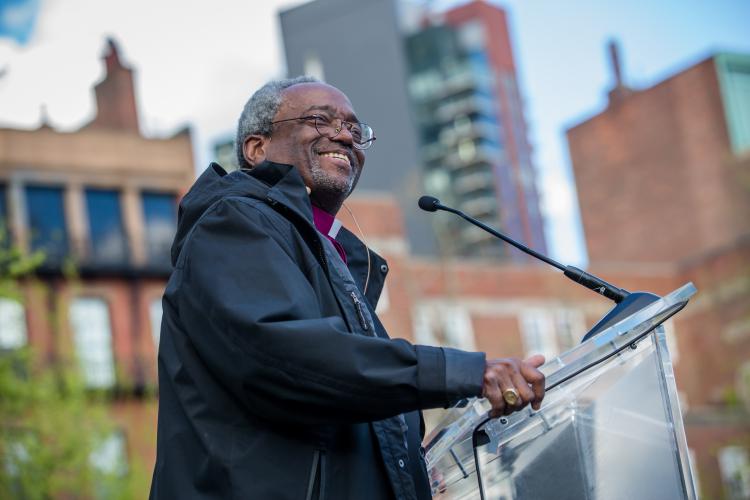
pixel 598 285
pixel 428 203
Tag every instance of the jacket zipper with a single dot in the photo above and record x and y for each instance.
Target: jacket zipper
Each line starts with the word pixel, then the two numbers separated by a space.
pixel 313 475
pixel 324 263
pixel 360 313
pixel 322 488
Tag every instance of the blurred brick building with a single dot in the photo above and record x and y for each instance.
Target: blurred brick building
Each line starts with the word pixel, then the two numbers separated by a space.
pixel 663 178
pixel 101 204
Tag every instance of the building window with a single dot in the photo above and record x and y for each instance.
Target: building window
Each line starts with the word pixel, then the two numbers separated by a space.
pixel 443 325
pixel 4 224
pixel 106 232
pixel 160 215
pixel 15 459
pixel 6 234
pixel 226 155
pixel 551 332
pixel 155 314
pixel 537 330
pixel 110 459
pixel 734 79
pixel 46 219
pixel 89 319
pixel 735 472
pixel 12 324
pixel 570 328
pixel 109 456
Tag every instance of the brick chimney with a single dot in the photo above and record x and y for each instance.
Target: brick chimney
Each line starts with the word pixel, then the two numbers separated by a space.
pixel 115 95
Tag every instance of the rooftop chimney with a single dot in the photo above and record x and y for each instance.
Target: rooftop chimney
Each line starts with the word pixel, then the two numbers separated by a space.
pixel 44 123
pixel 115 94
pixel 619 90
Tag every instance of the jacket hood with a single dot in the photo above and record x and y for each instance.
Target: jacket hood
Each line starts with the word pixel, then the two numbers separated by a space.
pixel 275 182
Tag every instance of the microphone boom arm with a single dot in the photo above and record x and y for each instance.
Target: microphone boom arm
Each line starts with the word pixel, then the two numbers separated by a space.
pixel 594 283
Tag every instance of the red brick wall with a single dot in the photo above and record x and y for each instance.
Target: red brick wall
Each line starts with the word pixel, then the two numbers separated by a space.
pixel 48 303
pixel 660 191
pixel 655 177
pixel 714 331
pixel 707 437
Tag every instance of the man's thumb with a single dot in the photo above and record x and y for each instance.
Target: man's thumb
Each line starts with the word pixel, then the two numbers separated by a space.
pixel 536 360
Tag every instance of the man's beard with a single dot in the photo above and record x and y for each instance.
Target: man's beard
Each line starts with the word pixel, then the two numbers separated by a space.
pixel 331 190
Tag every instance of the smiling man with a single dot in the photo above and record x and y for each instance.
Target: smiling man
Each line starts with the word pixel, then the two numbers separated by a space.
pixel 316 130
pixel 276 378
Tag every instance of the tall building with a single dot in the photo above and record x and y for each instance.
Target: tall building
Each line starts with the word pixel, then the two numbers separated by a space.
pixel 443 99
pixel 663 177
pixel 472 131
pixel 362 53
pixel 101 201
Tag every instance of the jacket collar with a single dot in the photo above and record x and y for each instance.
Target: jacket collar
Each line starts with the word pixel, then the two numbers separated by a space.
pixel 357 262
pixel 286 187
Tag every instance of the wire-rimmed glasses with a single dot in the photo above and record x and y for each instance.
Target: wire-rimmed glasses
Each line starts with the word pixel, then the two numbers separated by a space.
pixel 362 134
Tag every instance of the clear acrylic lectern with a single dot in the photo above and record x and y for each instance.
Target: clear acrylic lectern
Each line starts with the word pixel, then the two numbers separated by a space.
pixel 609 427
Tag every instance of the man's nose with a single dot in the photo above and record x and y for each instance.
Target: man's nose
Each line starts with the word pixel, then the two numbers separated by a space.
pixel 345 134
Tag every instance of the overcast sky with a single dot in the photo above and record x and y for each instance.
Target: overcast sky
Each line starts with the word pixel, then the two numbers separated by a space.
pixel 198 61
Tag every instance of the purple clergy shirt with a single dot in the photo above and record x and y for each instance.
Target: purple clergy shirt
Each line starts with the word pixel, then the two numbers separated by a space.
pixel 329 227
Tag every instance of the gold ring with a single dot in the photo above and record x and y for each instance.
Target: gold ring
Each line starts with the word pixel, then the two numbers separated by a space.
pixel 511 396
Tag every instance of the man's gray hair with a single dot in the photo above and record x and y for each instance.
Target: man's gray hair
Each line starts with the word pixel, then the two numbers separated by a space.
pixel 259 111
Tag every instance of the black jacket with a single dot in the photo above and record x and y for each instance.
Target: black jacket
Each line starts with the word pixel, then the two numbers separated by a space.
pixel 276 379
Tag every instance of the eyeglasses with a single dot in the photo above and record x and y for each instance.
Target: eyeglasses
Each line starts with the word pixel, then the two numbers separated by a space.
pixel 362 133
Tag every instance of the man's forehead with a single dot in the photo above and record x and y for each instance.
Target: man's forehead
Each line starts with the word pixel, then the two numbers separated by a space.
pixel 303 96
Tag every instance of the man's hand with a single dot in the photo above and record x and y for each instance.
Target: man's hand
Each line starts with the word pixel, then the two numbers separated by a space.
pixel 503 374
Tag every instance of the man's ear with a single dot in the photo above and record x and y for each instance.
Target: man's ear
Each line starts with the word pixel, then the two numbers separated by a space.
pixel 254 149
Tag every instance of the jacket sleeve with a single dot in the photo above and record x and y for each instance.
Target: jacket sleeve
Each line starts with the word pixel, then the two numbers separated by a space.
pixel 254 319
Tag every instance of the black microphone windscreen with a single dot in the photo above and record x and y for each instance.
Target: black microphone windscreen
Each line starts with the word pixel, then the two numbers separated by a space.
pixel 428 203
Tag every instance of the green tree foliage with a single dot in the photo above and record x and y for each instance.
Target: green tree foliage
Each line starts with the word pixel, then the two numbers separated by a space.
pixel 14 265
pixel 56 439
